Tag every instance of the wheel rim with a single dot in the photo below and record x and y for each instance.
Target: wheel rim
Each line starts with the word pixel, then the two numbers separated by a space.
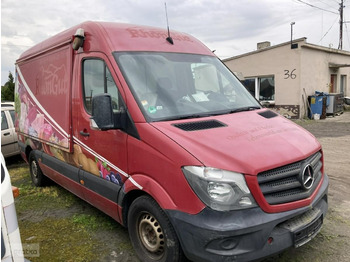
pixel 151 235
pixel 34 169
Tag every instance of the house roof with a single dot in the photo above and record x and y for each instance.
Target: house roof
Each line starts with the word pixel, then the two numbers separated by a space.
pixel 302 44
pixel 326 49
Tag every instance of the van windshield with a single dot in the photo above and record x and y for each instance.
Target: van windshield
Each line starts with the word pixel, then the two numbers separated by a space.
pixel 169 86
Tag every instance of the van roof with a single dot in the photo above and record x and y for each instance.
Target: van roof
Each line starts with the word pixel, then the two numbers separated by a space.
pixel 121 37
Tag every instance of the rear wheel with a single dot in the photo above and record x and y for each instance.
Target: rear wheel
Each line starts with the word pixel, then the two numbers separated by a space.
pixel 38 178
pixel 151 232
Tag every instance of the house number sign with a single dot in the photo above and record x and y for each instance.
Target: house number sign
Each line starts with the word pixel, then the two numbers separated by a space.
pixel 289 74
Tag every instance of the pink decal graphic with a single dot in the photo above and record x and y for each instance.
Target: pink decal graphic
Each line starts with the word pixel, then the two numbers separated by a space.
pixel 33 122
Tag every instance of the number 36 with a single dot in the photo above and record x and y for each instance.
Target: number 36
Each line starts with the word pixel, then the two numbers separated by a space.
pixel 289 74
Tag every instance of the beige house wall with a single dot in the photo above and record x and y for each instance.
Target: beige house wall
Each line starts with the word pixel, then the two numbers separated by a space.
pixel 314 75
pixel 316 69
pixel 341 59
pixel 273 62
pixel 298 73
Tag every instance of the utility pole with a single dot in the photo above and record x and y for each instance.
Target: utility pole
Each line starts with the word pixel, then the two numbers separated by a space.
pixel 291 33
pixel 341 8
pixel 292 46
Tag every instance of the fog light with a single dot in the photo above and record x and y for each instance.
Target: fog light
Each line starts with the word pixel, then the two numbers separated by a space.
pixel 228 244
pixel 223 246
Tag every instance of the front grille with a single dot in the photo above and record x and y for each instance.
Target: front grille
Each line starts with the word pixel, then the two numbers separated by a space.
pixel 285 184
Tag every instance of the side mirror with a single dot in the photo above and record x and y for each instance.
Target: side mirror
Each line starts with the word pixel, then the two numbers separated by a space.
pixel 103 116
pixel 102 112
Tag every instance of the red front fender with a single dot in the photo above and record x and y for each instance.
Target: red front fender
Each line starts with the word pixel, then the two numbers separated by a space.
pixel 151 187
pixel 186 200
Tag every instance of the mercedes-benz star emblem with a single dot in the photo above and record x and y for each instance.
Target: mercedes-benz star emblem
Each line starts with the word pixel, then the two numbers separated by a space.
pixel 307 177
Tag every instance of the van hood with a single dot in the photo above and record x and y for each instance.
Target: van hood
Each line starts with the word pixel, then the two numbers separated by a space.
pixel 245 142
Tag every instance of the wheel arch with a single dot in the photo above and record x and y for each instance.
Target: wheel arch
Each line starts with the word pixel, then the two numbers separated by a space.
pixel 151 188
pixel 126 203
pixel 27 151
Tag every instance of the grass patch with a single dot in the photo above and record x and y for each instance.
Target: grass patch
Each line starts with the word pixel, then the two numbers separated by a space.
pixel 53 197
pixel 19 175
pixel 34 198
pixel 65 227
pixel 95 221
pixel 59 240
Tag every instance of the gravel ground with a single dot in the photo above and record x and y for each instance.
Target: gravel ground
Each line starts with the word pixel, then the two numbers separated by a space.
pixel 332 243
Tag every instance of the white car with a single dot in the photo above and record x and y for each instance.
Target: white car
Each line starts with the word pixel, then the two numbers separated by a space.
pixel 9 144
pixel 11 245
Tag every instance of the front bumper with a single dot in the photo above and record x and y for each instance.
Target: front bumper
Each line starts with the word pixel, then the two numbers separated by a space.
pixel 248 234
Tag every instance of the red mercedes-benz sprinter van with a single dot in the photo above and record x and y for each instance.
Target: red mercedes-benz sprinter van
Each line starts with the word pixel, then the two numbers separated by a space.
pixel 156 132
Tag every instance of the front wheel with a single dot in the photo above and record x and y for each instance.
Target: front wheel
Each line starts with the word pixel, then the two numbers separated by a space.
pixel 151 232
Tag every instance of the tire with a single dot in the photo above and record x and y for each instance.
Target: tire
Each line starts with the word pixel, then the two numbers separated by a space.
pixel 38 178
pixel 151 233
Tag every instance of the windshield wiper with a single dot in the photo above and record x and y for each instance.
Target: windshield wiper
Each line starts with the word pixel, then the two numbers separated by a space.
pixel 241 109
pixel 246 108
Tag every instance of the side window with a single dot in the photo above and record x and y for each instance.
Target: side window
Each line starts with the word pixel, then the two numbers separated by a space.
pixel 12 113
pixel 4 124
pixel 97 79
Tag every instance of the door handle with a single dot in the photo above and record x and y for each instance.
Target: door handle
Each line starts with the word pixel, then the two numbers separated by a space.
pixel 84 133
pixel 7 133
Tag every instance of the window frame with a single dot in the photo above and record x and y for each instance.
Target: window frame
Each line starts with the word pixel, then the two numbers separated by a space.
pixel 342 85
pixel 120 102
pixel 4 118
pixel 257 82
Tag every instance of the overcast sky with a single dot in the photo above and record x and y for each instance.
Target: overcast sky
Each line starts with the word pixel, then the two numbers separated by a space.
pixel 231 27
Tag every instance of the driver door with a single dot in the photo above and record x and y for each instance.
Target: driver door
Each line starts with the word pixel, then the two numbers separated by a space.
pixel 101 155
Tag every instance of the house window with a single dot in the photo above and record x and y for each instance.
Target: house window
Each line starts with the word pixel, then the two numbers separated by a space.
pixel 342 83
pixel 267 88
pixel 262 88
pixel 250 85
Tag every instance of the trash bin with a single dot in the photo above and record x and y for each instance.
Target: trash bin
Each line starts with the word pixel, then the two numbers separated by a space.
pixel 318 105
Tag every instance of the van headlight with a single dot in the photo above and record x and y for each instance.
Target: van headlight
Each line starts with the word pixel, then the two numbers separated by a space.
pixel 219 189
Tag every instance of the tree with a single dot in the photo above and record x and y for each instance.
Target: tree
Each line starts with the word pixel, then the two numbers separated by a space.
pixel 8 90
